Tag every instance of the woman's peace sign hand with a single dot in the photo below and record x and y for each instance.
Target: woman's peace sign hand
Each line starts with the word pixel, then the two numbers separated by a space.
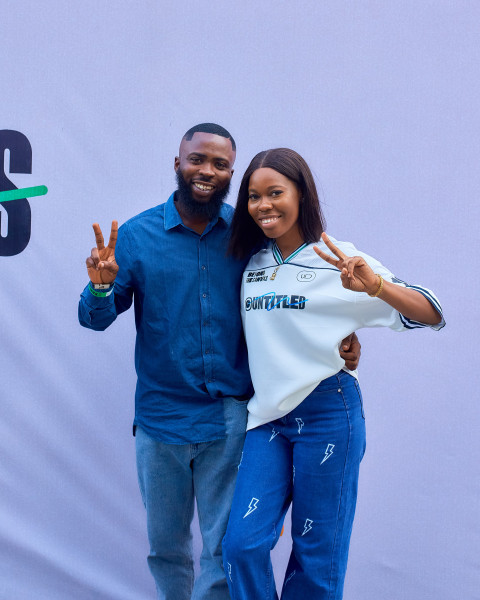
pixel 101 265
pixel 355 273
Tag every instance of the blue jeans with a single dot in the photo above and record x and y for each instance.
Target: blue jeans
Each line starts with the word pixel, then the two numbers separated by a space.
pixel 309 459
pixel 171 477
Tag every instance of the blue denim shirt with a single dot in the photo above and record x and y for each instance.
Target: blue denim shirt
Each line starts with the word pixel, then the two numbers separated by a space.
pixel 190 351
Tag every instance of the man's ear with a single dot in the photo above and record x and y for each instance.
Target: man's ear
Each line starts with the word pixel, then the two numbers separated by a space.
pixel 232 171
pixel 176 163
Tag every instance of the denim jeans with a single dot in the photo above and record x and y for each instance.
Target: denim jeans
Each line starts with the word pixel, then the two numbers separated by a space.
pixel 171 477
pixel 309 459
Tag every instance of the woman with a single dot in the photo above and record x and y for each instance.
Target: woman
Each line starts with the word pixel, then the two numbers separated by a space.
pixel 306 430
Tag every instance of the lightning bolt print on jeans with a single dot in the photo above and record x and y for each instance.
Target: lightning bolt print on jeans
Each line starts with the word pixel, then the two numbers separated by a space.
pixel 322 441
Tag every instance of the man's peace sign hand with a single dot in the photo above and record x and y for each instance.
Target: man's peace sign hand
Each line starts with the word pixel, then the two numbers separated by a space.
pixel 355 273
pixel 101 265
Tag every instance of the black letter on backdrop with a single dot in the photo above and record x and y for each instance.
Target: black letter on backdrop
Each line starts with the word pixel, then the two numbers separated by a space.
pixel 19 214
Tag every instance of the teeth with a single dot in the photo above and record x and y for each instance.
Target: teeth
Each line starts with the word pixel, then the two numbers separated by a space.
pixel 203 187
pixel 271 220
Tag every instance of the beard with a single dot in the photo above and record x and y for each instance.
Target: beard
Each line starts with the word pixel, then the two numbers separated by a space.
pixel 194 208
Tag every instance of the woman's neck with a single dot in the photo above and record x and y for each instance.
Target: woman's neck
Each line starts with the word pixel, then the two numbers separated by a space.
pixel 288 246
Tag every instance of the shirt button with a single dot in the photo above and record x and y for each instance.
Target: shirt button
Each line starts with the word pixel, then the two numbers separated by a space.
pixel 207 351
pixel 204 295
pixel 203 267
pixel 205 324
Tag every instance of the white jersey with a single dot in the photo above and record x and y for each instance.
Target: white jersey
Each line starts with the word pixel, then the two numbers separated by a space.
pixel 295 313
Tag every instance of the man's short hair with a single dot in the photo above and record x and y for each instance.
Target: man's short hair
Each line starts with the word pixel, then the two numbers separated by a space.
pixel 210 128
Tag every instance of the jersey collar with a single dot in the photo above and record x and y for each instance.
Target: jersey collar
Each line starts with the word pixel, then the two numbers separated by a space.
pixel 278 255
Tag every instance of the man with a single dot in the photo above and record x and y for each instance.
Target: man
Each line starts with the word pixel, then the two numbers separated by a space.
pixel 190 357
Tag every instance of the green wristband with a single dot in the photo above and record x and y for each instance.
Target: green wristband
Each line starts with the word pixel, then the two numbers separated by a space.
pixel 100 294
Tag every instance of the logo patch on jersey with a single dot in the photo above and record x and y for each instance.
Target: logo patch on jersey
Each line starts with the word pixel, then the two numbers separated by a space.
pixel 254 276
pixel 306 276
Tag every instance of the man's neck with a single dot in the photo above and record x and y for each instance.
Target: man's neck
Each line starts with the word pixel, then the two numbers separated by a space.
pixel 196 222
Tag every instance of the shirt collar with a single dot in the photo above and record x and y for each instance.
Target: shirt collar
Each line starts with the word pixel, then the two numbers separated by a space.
pixel 173 218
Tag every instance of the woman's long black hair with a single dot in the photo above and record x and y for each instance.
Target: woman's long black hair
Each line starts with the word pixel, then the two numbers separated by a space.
pixel 246 235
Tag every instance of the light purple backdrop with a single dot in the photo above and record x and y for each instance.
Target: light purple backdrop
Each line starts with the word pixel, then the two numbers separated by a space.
pixel 381 97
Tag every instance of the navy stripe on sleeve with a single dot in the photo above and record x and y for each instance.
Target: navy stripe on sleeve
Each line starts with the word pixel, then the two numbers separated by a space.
pixel 409 324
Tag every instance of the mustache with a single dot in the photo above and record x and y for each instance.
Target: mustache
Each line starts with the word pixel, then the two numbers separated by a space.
pixel 205 179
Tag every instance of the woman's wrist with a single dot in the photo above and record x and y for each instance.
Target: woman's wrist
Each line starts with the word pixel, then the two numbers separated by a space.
pixel 377 289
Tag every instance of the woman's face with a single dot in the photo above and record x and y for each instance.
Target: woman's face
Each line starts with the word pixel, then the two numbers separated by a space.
pixel 273 203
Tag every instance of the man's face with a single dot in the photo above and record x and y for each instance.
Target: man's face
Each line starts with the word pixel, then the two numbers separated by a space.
pixel 205 165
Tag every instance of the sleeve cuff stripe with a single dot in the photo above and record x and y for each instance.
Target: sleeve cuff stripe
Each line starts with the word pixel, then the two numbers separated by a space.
pixel 410 324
